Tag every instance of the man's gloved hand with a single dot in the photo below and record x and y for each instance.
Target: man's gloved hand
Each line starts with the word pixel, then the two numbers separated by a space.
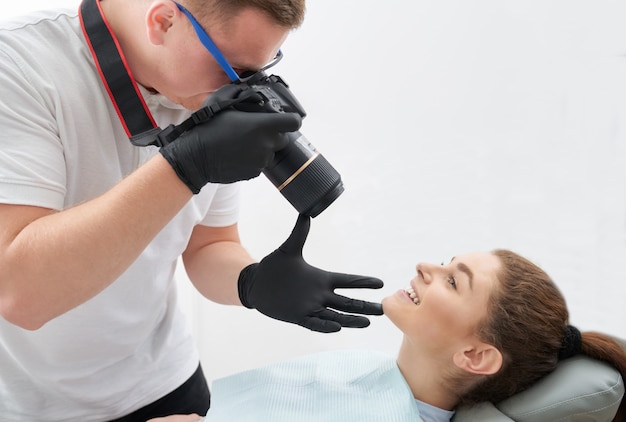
pixel 233 145
pixel 283 286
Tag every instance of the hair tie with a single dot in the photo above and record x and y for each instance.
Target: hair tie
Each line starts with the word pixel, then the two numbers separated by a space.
pixel 572 342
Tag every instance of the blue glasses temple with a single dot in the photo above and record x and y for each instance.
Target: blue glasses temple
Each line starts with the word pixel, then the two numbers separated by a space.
pixel 210 45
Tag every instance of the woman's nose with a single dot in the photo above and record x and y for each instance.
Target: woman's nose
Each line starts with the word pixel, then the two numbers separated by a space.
pixel 426 271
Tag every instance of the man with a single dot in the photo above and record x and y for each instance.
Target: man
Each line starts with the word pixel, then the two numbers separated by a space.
pixel 92 225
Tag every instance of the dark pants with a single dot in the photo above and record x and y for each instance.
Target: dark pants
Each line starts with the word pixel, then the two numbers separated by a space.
pixel 191 397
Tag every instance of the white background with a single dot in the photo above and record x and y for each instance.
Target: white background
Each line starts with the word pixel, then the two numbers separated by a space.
pixel 457 126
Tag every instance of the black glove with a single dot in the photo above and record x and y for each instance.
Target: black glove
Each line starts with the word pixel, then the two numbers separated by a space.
pixel 233 145
pixel 283 286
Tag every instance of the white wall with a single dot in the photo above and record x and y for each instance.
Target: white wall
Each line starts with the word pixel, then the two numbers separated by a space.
pixel 457 126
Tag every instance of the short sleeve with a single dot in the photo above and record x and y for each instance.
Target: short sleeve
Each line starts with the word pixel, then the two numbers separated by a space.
pixel 32 165
pixel 224 208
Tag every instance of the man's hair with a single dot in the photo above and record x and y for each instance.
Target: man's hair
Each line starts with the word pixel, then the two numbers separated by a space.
pixel 286 13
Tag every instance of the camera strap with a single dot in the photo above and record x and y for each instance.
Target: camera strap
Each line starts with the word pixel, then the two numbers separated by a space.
pixel 206 113
pixel 115 73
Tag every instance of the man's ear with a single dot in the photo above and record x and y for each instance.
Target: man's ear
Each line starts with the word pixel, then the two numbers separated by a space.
pixel 481 358
pixel 159 19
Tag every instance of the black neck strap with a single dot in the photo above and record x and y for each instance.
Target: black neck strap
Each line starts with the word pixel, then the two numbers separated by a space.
pixel 114 72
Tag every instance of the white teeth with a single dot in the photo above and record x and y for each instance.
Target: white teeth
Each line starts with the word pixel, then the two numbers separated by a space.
pixel 412 295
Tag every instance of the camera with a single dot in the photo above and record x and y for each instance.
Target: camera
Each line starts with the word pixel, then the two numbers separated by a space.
pixel 300 173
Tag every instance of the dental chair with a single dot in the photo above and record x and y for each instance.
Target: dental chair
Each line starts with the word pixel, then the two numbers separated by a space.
pixel 581 389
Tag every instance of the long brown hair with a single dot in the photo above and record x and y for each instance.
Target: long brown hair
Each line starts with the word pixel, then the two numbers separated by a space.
pixel 527 321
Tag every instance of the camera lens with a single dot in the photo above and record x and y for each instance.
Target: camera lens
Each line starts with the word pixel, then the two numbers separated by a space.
pixel 304 177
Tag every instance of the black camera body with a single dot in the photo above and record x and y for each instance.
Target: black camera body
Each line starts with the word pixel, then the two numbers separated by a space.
pixel 300 173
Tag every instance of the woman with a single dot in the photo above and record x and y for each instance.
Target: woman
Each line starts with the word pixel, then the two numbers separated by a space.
pixel 481 328
pixel 490 324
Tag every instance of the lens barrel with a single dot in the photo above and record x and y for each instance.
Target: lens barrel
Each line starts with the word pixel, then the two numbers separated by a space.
pixel 304 177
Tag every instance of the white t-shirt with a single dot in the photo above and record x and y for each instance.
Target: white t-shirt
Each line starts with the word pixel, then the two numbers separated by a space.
pixel 61 143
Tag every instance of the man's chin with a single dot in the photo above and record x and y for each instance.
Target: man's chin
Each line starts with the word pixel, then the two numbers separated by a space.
pixel 194 103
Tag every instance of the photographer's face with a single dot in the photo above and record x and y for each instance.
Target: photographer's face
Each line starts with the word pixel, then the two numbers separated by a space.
pixel 188 73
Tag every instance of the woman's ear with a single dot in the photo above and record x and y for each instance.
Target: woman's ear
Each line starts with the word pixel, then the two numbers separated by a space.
pixel 482 358
pixel 159 19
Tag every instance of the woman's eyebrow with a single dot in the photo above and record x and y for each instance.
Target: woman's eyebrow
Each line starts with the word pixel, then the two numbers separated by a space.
pixel 465 269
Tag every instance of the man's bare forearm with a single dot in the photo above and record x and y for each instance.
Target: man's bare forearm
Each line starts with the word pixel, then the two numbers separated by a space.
pixel 50 262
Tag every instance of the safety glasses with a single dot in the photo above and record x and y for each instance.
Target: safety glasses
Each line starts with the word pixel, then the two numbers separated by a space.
pixel 208 43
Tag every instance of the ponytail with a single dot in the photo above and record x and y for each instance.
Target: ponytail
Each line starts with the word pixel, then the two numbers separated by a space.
pixel 605 348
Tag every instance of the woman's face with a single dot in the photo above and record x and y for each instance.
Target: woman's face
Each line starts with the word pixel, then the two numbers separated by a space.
pixel 444 304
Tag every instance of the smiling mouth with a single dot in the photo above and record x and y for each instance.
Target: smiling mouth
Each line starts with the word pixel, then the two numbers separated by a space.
pixel 412 295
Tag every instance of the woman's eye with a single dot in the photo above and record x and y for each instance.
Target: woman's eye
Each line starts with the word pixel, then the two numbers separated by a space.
pixel 452 281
